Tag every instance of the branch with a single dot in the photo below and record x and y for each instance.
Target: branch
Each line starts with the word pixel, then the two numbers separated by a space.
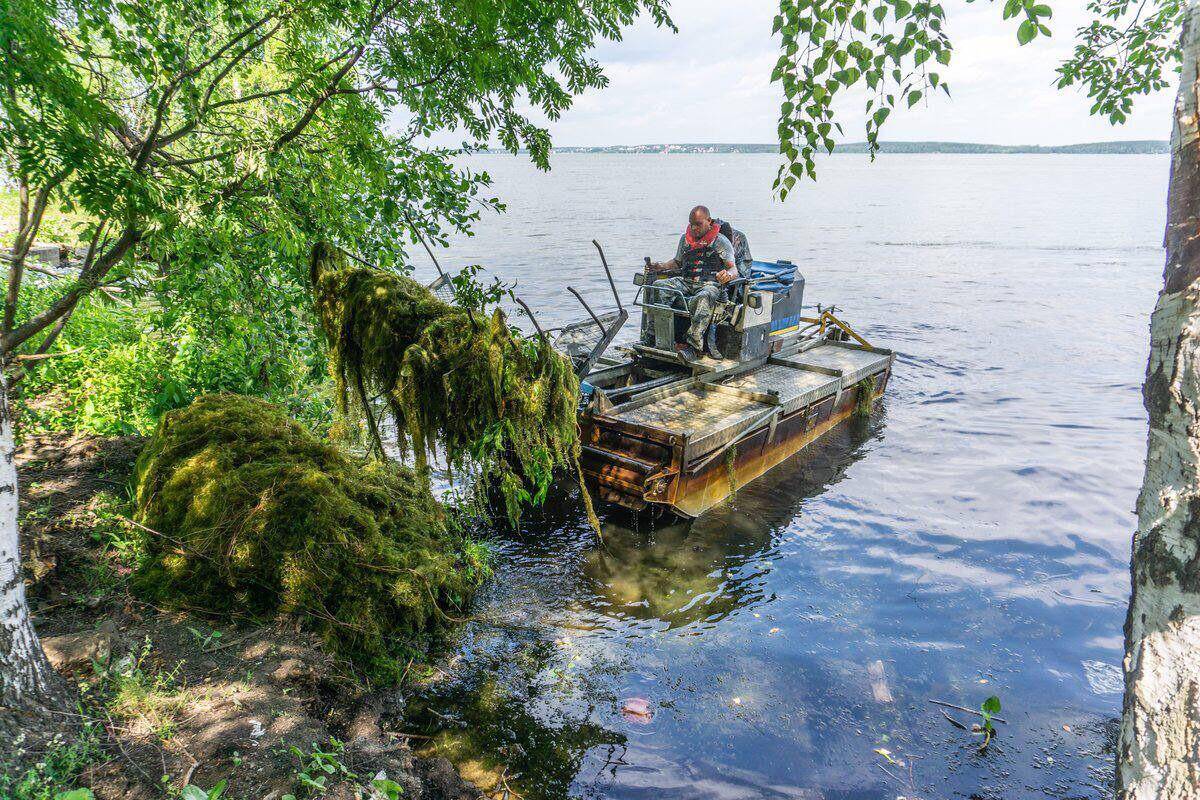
pixel 89 278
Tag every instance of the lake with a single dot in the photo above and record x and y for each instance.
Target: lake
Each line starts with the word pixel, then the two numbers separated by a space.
pixel 970 539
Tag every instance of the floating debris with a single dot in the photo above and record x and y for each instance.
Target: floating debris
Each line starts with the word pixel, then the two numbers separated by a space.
pixel 637 710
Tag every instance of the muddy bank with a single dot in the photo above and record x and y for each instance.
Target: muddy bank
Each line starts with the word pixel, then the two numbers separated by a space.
pixel 172 698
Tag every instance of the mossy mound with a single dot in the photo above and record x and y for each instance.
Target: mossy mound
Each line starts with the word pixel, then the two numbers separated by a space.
pixel 493 402
pixel 253 514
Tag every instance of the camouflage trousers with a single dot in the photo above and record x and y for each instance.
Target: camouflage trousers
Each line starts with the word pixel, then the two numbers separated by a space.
pixel 703 299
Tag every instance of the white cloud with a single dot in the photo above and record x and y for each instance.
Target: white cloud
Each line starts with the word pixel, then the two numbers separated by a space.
pixel 710 83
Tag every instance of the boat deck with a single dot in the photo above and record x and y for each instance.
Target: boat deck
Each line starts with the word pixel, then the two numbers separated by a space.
pixel 794 385
pixel 686 443
pixel 852 363
pixel 694 410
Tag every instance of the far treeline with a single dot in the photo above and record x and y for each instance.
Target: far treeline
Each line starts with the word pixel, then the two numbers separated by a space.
pixel 1132 147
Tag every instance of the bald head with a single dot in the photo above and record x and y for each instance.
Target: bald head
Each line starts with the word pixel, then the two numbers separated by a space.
pixel 699 221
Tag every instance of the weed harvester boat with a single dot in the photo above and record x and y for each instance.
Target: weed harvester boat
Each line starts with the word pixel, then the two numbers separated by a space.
pixel 660 432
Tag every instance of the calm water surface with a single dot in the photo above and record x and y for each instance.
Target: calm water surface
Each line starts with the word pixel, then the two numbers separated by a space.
pixel 972 537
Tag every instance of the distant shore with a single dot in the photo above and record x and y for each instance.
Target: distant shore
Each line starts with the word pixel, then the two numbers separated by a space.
pixel 1133 147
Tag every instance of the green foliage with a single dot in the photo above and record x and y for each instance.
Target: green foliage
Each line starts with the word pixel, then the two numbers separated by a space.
pixel 218 140
pixel 257 516
pixel 894 47
pixel 897 47
pixel 123 364
pixel 465 383
pixel 191 792
pixel 1126 50
pixel 988 710
pixel 318 767
pixel 56 774
pixel 130 689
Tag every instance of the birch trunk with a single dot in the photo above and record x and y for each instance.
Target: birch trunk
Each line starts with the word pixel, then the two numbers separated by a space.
pixel 26 678
pixel 1159 750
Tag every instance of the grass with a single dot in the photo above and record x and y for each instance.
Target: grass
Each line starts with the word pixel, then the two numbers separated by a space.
pixel 148 699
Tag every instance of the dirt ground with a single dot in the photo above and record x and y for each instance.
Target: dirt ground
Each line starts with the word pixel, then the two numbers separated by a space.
pixel 180 698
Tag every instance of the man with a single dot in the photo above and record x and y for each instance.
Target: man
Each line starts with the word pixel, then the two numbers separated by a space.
pixel 705 261
pixel 741 246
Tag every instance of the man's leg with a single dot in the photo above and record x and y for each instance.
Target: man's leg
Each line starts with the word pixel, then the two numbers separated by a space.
pixel 703 304
pixel 667 298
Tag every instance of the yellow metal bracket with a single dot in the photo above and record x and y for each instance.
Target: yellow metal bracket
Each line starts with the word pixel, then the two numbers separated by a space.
pixel 827 319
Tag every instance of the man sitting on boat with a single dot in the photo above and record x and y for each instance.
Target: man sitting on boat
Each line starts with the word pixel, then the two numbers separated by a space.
pixel 705 261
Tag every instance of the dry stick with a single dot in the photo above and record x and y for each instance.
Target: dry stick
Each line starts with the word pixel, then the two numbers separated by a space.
pixel 121 747
pixel 954 722
pixel 235 640
pixel 965 710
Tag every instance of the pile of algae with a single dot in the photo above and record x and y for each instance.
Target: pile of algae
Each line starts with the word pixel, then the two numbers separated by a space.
pixel 497 405
pixel 247 512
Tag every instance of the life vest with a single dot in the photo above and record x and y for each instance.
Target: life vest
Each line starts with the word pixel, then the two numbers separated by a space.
pixel 701 259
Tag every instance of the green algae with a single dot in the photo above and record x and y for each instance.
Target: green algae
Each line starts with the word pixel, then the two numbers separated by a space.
pixel 501 408
pixel 864 396
pixel 247 512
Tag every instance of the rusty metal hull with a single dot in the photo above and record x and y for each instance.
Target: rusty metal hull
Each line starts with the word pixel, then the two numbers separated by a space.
pixel 641 465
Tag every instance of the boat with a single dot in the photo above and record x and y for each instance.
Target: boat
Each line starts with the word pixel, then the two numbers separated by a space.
pixel 663 433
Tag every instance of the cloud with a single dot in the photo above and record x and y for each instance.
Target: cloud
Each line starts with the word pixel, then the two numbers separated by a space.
pixel 710 83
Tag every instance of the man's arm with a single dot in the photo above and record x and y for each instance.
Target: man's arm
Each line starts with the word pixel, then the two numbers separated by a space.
pixel 725 251
pixel 741 247
pixel 673 264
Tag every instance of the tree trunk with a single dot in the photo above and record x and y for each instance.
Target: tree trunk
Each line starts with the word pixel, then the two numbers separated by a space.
pixel 26 678
pixel 1159 750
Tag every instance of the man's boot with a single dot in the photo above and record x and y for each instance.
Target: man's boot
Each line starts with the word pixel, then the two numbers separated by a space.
pixel 710 342
pixel 687 351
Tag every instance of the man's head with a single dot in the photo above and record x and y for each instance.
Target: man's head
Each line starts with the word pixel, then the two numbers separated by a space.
pixel 699 221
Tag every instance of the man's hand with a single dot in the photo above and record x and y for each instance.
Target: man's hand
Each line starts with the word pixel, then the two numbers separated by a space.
pixel 725 276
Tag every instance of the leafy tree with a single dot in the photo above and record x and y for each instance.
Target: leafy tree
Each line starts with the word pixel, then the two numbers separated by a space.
pixel 208 142
pixel 1126 50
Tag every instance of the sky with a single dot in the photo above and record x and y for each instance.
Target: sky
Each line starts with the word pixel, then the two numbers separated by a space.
pixel 710 83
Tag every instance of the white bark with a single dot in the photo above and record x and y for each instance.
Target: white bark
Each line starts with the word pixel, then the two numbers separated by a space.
pixel 1159 750
pixel 25 675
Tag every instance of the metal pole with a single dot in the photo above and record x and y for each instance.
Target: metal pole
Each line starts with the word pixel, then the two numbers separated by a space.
pixel 532 318
pixel 588 308
pixel 608 272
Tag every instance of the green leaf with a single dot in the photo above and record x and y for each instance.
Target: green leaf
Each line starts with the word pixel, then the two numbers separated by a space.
pixel 991 705
pixel 903 8
pixel 76 794
pixel 1026 32
pixel 880 115
pixel 914 97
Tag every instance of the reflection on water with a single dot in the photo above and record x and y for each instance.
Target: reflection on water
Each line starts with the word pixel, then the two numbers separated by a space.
pixel 703 570
pixel 971 539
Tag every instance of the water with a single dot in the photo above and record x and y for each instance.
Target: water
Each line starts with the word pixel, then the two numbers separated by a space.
pixel 972 537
